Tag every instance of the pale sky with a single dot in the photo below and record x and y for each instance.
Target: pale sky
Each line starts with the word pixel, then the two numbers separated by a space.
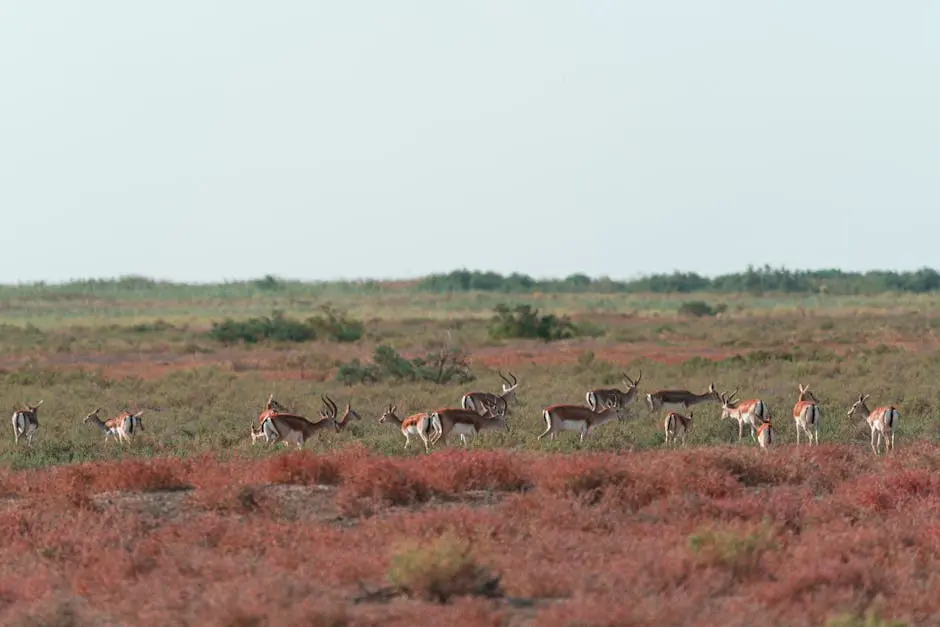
pixel 210 140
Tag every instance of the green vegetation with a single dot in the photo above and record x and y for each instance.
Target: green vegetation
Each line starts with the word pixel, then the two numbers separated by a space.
pixel 331 324
pixel 522 321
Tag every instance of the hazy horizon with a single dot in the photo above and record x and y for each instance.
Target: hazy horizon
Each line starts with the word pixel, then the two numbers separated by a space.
pixel 211 141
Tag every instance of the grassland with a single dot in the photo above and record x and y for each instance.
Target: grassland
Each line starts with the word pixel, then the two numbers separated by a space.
pixel 208 529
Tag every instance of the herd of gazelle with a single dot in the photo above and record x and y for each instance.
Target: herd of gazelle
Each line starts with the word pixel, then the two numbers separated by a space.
pixel 482 411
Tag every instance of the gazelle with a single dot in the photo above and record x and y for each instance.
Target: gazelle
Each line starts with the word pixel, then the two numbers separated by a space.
pixel 466 422
pixel 271 407
pixel 599 397
pixel 475 401
pixel 290 427
pixel 751 412
pixel 120 428
pixel 766 435
pixel 417 424
pixel 26 422
pixel 806 415
pixel 331 410
pixel 578 418
pixel 258 433
pixel 679 399
pixel 882 421
pixel 676 424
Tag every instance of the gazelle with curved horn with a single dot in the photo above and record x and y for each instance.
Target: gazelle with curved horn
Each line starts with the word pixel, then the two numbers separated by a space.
pixel 882 421
pixel 466 422
pixel 679 399
pixel 291 427
pixel 578 418
pixel 752 412
pixel 598 398
pixel 806 415
pixel 332 410
pixel 476 401
pixel 416 424
pixel 120 428
pixel 26 423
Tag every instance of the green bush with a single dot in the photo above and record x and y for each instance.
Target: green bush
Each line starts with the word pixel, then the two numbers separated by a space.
pixel 525 322
pixel 331 324
pixel 699 308
pixel 442 366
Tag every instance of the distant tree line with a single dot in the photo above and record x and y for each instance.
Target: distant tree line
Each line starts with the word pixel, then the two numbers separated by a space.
pixel 752 281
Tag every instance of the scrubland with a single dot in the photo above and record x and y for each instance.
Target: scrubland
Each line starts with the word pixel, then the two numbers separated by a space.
pixel 191 524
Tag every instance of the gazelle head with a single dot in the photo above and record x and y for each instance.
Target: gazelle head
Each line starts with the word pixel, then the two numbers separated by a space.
pixel 632 385
pixel 859 407
pixel 330 410
pixel 92 417
pixel 497 413
pixel 388 413
pixel 806 395
pixel 728 404
pixel 495 408
pixel 509 386
pixel 273 405
pixel 612 404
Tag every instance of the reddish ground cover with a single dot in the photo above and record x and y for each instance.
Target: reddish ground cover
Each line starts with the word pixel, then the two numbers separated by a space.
pixel 706 536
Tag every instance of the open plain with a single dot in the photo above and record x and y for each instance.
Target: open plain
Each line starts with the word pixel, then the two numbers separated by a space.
pixel 192 524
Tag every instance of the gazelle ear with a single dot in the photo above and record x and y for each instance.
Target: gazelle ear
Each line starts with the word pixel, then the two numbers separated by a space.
pixel 866 397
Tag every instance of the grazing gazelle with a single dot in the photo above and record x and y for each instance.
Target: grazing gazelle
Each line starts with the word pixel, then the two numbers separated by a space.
pixel 765 434
pixel 806 415
pixel 751 412
pixel 578 418
pixel 26 422
pixel 598 398
pixel 466 422
pixel 882 421
pixel 679 399
pixel 476 401
pixel 120 428
pixel 331 410
pixel 417 424
pixel 677 424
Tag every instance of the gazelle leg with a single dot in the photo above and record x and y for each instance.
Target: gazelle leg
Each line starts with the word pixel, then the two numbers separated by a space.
pixel 740 430
pixel 544 433
pixel 874 433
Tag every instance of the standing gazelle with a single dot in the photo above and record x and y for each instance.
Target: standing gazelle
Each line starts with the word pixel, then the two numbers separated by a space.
pixel 578 418
pixel 476 401
pixel 882 421
pixel 467 422
pixel 26 423
pixel 597 399
pixel 679 399
pixel 677 424
pixel 417 424
pixel 751 412
pixel 120 428
pixel 806 415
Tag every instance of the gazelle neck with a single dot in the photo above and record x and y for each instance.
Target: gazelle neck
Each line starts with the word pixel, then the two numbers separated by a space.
pixel 97 422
